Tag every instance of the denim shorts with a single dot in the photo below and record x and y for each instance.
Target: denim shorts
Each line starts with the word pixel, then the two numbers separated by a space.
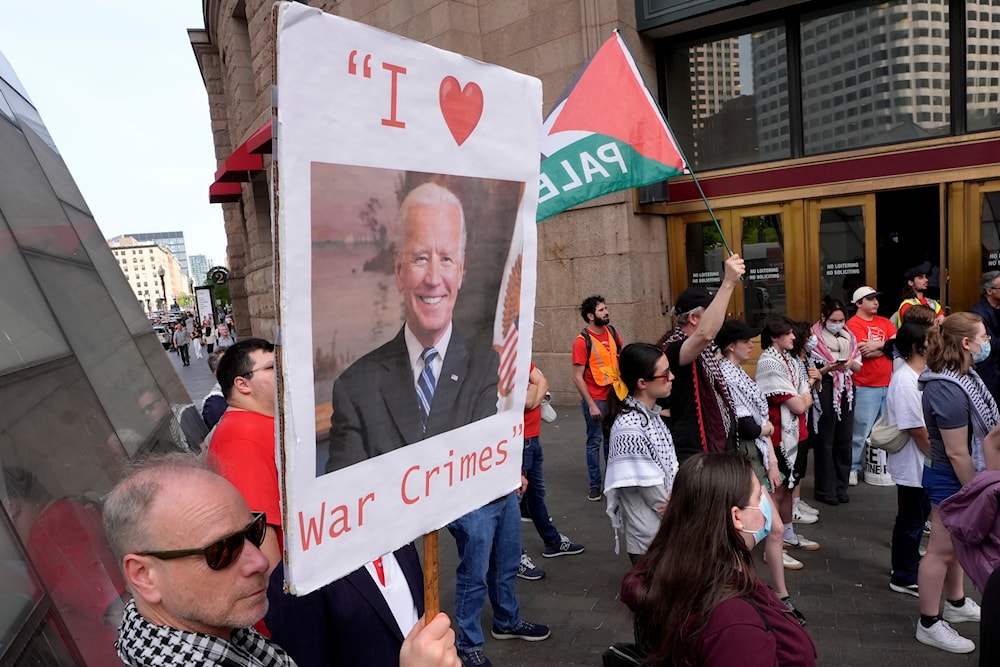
pixel 939 483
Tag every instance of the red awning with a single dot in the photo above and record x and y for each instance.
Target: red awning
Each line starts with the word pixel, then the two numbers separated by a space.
pixel 224 193
pixel 239 167
pixel 260 141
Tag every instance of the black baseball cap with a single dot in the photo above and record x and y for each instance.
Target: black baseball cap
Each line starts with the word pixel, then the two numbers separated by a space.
pixel 691 298
pixel 734 330
pixel 922 270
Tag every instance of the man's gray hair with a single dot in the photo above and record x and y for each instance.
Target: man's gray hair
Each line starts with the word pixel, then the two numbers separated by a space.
pixel 684 319
pixel 986 282
pixel 127 507
pixel 430 194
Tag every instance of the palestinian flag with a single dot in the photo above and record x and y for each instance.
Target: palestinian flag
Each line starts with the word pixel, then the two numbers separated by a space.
pixel 605 134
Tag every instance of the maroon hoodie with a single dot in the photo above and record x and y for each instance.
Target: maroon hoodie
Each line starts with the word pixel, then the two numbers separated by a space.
pixel 972 516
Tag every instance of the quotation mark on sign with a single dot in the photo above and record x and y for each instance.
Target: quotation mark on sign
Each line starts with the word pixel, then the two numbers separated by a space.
pixel 366 67
pixel 366 72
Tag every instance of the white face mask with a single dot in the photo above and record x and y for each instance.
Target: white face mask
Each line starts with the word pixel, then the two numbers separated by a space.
pixel 834 328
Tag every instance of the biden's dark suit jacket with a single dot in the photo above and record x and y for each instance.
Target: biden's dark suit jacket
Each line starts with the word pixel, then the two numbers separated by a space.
pixel 346 623
pixel 375 406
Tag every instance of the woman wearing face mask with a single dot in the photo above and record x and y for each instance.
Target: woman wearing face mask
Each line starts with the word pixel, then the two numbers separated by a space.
pixel 959 413
pixel 642 462
pixel 696 596
pixel 789 396
pixel 836 356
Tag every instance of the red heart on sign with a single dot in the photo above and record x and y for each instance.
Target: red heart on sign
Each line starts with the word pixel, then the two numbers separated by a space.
pixel 461 107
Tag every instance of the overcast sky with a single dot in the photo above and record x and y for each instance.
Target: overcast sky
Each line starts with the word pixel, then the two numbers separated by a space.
pixel 119 89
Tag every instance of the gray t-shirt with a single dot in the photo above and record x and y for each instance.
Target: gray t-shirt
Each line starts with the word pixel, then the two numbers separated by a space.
pixel 946 406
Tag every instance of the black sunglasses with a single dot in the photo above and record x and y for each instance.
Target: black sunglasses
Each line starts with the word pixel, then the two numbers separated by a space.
pixel 223 553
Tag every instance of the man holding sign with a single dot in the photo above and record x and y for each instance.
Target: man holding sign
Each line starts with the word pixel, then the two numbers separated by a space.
pixel 451 382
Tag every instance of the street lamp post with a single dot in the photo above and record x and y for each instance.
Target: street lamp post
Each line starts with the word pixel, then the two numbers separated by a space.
pixel 163 286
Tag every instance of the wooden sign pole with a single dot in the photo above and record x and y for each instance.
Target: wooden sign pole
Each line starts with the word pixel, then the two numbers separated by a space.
pixel 432 590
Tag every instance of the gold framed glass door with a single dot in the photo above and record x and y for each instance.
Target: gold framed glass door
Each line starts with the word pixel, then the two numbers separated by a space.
pixel 841 246
pixel 765 236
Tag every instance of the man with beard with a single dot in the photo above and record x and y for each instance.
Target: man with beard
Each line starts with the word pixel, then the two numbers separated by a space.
pixel 595 369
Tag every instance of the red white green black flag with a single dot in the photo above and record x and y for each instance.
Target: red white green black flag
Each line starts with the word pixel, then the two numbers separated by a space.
pixel 605 134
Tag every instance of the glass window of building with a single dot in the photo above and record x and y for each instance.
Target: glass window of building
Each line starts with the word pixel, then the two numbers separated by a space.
pixel 991 232
pixel 705 255
pixel 764 284
pixel 841 252
pixel 885 96
pixel 728 98
pixel 983 30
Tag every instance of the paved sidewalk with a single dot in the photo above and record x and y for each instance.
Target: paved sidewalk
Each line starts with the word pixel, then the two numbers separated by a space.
pixel 843 591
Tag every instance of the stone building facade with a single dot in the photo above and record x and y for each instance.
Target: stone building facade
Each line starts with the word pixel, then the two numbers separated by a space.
pixel 600 247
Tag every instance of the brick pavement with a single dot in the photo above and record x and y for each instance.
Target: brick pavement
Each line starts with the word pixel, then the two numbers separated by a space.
pixel 852 615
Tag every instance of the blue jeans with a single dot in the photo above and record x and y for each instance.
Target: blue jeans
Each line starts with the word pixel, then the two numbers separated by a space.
pixel 489 551
pixel 868 405
pixel 595 436
pixel 534 497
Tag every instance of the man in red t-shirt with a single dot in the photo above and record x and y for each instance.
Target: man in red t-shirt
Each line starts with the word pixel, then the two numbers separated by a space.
pixel 595 367
pixel 872 381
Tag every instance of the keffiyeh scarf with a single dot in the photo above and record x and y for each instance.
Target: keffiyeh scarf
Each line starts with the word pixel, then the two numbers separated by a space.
pixel 778 374
pixel 982 407
pixel 142 644
pixel 641 453
pixel 843 381
pixel 708 363
pixel 748 400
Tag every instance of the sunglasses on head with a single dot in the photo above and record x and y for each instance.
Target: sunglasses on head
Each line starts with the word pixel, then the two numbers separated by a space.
pixel 221 554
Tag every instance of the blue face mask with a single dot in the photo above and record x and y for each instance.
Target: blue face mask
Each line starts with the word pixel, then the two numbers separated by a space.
pixel 811 343
pixel 984 352
pixel 834 328
pixel 765 510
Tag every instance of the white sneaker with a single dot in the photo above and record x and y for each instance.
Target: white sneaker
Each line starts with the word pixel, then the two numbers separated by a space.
pixel 806 508
pixel 968 612
pixel 801 543
pixel 798 516
pixel 943 636
pixel 788 562
pixel 853 479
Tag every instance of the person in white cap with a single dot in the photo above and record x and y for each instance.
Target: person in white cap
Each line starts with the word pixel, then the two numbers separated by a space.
pixel 871 383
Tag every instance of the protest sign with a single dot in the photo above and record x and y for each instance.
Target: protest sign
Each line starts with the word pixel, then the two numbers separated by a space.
pixel 405 206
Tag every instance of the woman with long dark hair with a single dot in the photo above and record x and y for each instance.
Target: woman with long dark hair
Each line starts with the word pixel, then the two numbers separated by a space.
pixel 789 395
pixel 696 596
pixel 836 356
pixel 642 462
pixel 959 412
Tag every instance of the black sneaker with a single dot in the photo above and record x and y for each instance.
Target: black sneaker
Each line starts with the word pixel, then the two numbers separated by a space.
pixel 474 659
pixel 529 632
pixel 564 548
pixel 595 494
pixel 787 601
pixel 909 589
pixel 528 570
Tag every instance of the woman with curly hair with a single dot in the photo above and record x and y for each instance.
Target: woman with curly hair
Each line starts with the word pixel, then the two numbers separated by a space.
pixel 696 596
pixel 642 462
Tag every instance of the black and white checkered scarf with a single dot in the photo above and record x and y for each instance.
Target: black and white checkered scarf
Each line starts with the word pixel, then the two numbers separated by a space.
pixel 983 413
pixel 142 644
